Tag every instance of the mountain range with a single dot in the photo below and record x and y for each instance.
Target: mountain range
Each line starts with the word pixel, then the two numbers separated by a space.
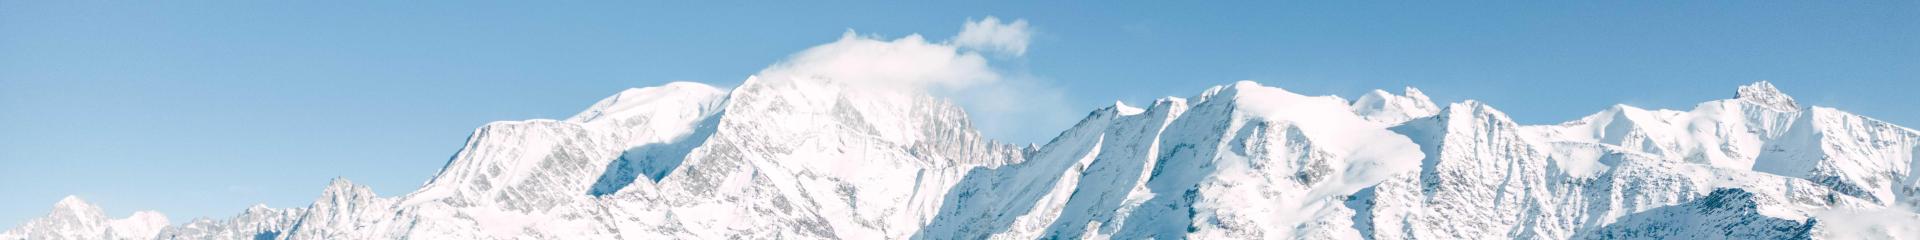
pixel 798 157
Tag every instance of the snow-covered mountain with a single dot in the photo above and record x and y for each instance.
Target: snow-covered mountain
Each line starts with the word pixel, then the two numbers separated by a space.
pixel 74 218
pixel 805 157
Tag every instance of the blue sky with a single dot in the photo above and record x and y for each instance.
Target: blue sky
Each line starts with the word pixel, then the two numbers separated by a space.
pixel 201 109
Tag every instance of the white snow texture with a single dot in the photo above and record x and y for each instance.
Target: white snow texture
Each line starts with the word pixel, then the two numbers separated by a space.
pixel 817 158
pixel 813 148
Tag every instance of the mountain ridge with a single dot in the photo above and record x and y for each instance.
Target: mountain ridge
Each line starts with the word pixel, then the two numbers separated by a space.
pixel 800 156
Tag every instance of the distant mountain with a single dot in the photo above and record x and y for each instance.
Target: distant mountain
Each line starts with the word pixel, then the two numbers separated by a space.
pixel 807 158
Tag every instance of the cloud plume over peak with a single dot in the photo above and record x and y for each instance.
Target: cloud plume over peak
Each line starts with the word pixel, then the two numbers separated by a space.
pixel 1003 105
pixel 909 61
pixel 990 34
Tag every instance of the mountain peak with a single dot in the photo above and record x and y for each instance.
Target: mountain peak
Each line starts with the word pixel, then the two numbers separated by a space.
pixel 74 203
pixel 340 186
pixel 1765 94
pixel 1384 107
pixel 1412 92
pixel 340 182
pixel 73 206
pixel 72 200
pixel 1124 109
pixel 636 102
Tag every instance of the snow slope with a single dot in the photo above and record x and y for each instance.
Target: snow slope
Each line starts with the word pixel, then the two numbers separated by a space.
pixel 795 156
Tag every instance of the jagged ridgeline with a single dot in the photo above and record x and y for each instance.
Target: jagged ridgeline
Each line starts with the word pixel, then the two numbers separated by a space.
pixel 809 158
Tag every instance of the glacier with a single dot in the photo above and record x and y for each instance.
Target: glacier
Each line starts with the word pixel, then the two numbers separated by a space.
pixel 813 157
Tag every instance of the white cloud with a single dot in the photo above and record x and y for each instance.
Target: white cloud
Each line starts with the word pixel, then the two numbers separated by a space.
pixel 990 35
pixel 1010 107
pixel 910 61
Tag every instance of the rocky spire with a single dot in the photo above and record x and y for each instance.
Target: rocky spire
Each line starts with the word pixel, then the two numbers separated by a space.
pixel 1763 93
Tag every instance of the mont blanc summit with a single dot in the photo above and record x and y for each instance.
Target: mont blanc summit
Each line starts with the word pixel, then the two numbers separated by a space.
pixel 861 139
